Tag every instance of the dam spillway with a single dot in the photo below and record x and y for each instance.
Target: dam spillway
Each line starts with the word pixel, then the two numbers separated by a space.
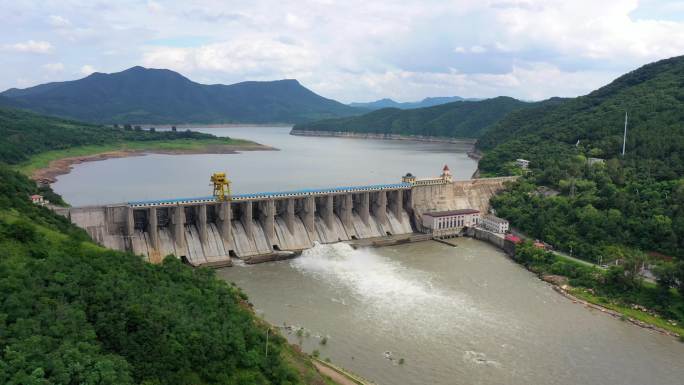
pixel 206 231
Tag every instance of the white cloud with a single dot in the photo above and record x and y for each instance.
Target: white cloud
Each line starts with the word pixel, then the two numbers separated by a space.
pixel 357 49
pixel 31 46
pixel 530 81
pixel 87 69
pixel 59 21
pixel 473 49
pixel 154 6
pixel 54 67
pixel 585 29
pixel 478 49
pixel 256 56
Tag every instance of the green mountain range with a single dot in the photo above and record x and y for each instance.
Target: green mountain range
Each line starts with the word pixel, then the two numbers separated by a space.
pixel 463 119
pixel 157 96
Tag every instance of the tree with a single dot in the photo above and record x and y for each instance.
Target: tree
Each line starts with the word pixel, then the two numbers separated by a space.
pixel 632 264
pixel 666 278
pixel 679 274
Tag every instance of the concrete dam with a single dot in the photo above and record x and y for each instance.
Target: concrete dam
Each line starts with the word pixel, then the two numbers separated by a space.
pixel 205 231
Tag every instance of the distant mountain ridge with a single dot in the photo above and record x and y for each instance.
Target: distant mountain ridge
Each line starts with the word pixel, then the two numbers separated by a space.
pixel 157 96
pixel 427 102
pixel 463 119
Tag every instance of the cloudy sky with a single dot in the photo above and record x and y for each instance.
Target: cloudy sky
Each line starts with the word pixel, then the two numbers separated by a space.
pixel 348 50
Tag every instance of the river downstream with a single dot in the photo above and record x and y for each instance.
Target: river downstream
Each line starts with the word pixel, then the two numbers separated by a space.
pixel 456 315
pixel 464 315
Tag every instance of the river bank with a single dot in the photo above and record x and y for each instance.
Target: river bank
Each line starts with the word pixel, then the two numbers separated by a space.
pixel 635 314
pixel 360 135
pixel 595 297
pixel 45 167
pixel 578 295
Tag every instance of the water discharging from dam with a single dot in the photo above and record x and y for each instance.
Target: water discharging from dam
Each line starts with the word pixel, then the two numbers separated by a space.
pixel 457 315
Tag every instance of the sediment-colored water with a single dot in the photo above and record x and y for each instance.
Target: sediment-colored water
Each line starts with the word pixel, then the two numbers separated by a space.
pixel 463 315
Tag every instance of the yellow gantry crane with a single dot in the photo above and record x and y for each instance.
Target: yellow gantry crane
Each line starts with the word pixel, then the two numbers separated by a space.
pixel 221 186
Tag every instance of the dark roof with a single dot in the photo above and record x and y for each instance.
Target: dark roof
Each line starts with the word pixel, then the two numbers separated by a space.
pixel 452 212
pixel 495 218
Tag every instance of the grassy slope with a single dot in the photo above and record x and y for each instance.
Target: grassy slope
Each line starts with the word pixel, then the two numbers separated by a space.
pixel 43 159
pixel 627 311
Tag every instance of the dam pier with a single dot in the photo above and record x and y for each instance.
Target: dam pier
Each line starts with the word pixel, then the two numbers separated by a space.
pixel 206 231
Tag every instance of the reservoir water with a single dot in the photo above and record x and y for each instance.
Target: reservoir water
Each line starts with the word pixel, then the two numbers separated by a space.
pixel 456 315
pixel 301 162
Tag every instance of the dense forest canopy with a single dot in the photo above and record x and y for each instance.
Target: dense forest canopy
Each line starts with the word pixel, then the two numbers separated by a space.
pixel 463 119
pixel 611 201
pixel 72 312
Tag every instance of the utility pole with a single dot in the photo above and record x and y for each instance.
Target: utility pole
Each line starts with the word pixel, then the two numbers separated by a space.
pixel 624 137
pixel 267 330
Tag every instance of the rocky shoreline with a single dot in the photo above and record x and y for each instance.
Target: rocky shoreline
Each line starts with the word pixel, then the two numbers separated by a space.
pixel 345 134
pixel 55 168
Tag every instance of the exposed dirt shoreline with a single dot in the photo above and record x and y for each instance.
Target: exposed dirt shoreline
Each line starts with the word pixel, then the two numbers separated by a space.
pixel 362 135
pixel 55 168
pixel 214 125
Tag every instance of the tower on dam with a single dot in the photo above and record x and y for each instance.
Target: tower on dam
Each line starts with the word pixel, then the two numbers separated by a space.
pixel 211 230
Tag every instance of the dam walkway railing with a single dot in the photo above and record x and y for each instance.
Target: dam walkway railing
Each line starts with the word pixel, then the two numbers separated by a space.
pixel 274 195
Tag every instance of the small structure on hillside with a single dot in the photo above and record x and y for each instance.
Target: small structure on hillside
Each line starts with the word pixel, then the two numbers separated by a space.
pixel 540 245
pixel 494 224
pixel 546 192
pixel 593 161
pixel 445 224
pixel 38 199
pixel 513 239
pixel 522 163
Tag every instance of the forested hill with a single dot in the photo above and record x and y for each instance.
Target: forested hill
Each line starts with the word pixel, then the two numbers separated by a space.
pixel 653 97
pixel 23 134
pixel 464 119
pixel 157 96
pixel 610 207
pixel 75 313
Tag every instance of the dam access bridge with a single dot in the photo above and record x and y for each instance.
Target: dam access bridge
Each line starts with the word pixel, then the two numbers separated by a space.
pixel 209 231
